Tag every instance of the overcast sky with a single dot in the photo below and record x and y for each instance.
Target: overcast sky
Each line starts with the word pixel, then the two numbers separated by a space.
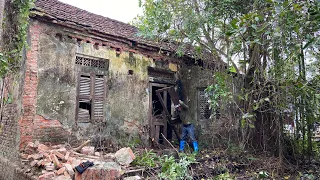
pixel 121 10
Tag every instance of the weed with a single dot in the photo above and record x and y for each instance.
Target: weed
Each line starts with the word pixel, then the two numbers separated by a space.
pixel 146 159
pixel 171 169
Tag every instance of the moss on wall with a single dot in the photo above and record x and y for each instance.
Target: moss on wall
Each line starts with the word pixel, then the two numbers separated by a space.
pixel 56 96
pixel 127 101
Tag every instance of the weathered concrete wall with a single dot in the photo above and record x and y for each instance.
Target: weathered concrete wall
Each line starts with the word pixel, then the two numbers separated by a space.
pixel 9 143
pixel 49 99
pixel 194 79
pixel 56 95
pixel 8 133
pixel 51 80
pixel 127 100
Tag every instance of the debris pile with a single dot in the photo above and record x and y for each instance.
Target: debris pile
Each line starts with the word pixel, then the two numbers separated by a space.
pixel 59 162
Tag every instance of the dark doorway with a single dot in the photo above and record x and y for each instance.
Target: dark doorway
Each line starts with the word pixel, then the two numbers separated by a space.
pixel 157 123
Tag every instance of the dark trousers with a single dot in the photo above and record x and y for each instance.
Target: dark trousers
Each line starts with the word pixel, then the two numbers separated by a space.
pixel 188 130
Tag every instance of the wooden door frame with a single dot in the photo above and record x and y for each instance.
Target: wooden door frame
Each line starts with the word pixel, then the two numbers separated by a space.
pixel 151 84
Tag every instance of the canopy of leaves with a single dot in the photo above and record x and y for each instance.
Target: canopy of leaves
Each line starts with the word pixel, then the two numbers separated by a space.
pixel 273 44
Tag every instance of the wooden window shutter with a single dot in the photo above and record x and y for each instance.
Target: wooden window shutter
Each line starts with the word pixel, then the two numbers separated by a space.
pixel 84 96
pixel 98 98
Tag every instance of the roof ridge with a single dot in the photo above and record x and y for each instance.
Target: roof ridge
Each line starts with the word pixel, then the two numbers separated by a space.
pixel 114 20
pixel 67 12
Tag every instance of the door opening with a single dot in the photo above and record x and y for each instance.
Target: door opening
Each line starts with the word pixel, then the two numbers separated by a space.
pixel 159 125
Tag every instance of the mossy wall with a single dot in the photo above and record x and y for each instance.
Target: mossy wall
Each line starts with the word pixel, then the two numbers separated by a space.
pixel 127 86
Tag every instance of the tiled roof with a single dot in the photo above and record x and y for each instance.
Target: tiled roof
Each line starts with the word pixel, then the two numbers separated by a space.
pixel 72 15
pixel 66 12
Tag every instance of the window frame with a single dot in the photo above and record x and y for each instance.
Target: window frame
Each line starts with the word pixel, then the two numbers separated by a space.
pixel 93 72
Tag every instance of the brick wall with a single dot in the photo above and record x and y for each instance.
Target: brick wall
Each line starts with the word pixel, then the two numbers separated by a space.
pixel 32 126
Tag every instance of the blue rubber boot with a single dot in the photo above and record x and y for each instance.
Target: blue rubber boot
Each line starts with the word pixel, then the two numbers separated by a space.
pixel 195 147
pixel 182 143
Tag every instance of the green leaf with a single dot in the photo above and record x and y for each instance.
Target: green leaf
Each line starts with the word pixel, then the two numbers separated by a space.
pixel 232 69
pixel 251 126
pixel 254 26
pixel 247 116
pixel 234 23
pixel 243 123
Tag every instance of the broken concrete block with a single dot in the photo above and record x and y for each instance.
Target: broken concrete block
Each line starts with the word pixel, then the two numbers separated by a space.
pixel 40 163
pixel 88 150
pixel 47 176
pixel 75 162
pixel 69 169
pixel 125 156
pixel 66 174
pixel 96 153
pixel 61 171
pixel 36 144
pixel 49 167
pixel 43 148
pixel 33 163
pixel 37 156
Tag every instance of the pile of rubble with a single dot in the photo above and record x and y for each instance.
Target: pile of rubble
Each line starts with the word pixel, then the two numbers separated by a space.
pixel 59 162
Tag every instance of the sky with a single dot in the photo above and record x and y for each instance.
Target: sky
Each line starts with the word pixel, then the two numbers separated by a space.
pixel 121 10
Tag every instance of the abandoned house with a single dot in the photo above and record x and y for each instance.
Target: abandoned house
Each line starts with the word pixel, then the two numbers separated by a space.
pixel 87 76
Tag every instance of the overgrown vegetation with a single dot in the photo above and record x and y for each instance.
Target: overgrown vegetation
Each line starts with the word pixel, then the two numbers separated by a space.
pixel 271 48
pixel 15 25
pixel 171 168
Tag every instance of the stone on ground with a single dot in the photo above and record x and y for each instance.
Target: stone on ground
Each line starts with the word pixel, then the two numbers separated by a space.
pixel 88 150
pixel 125 156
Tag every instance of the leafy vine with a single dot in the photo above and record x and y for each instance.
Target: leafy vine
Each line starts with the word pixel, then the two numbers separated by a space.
pixel 15 28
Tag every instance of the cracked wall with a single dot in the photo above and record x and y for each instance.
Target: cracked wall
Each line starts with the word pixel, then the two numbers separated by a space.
pixel 50 91
pixel 51 80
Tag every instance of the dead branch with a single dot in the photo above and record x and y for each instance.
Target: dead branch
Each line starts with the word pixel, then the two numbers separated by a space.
pixel 170 143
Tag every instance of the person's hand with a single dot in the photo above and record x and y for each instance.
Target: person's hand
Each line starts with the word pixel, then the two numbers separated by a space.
pixel 178 107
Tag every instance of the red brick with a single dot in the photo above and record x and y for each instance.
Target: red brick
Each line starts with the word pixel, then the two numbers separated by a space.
pixel 43 148
pixel 46 176
pixel 61 171
pixel 55 161
pixel 66 157
pixel 59 155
